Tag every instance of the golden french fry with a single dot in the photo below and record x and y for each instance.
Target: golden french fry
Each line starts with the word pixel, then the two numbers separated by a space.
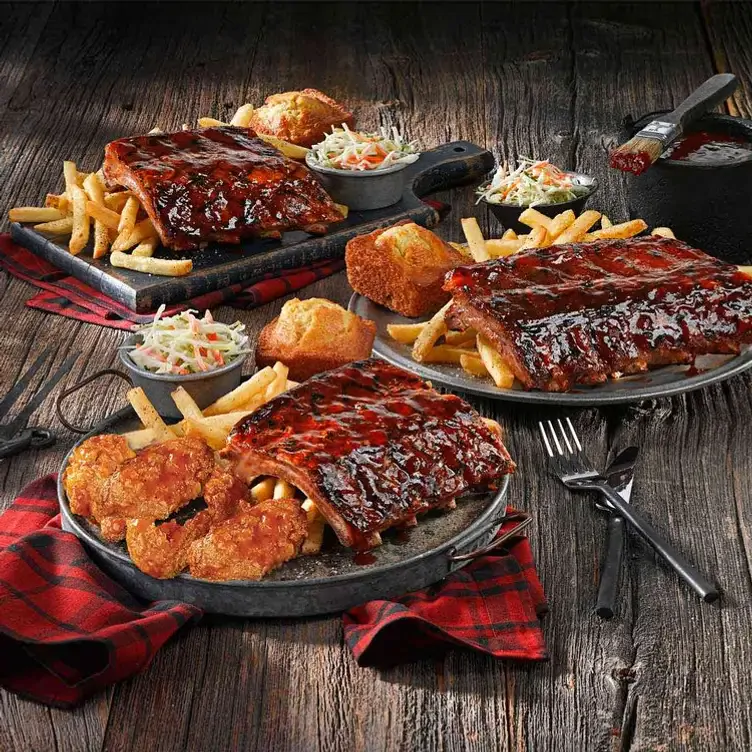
pixel 94 188
pixel 475 241
pixel 35 214
pixel 606 222
pixel 101 240
pixel 623 230
pixel 460 339
pixel 663 232
pixel 207 122
pixel 494 426
pixel 743 269
pixel 116 201
pixel 462 248
pixel 214 436
pixel 535 239
pixel 128 216
pixel 431 332
pixel 70 174
pixel 241 395
pixel 56 227
pixel 283 490
pixel 291 384
pixel 496 247
pixel 578 228
pixel 139 439
pixel 146 247
pixel 263 490
pixel 405 333
pixel 101 213
pixel 161 267
pixel 446 354
pixel 280 382
pixel 509 234
pixel 316 524
pixel 472 364
pixel 289 150
pixel 499 370
pixel 148 414
pixel 61 202
pixel 81 224
pixel 533 218
pixel 242 118
pixel 223 423
pixel 186 404
pixel 560 223
pixel 343 210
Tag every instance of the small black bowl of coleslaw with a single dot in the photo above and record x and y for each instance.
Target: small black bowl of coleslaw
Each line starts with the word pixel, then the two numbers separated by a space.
pixel 363 171
pixel 203 356
pixel 535 184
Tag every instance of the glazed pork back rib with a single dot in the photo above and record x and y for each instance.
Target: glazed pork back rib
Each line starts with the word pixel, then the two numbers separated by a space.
pixel 218 184
pixel 372 446
pixel 579 313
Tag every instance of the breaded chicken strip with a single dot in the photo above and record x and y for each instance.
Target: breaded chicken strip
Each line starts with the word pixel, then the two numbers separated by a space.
pixel 161 550
pixel 251 543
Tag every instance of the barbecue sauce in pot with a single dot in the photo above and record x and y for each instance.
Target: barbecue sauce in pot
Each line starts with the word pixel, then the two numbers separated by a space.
pixel 709 148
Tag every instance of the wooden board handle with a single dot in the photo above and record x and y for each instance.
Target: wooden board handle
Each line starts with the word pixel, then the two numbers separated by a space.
pixel 447 166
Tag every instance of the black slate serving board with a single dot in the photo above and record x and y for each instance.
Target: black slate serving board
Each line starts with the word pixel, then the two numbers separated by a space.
pixel 217 267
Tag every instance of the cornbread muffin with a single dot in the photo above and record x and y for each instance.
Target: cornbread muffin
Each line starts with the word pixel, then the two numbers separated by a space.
pixel 300 117
pixel 402 268
pixel 312 336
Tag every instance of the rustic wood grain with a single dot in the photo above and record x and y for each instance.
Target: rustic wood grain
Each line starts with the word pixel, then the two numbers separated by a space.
pixel 668 673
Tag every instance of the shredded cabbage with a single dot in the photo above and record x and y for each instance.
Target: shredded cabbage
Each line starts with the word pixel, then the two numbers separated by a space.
pixel 184 344
pixel 343 149
pixel 532 183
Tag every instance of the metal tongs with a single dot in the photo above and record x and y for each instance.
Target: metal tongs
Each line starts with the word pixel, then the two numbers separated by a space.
pixel 16 436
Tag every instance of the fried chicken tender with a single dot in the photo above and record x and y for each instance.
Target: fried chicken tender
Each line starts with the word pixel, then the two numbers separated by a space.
pixel 158 481
pixel 251 543
pixel 161 550
pixel 300 117
pixel 91 465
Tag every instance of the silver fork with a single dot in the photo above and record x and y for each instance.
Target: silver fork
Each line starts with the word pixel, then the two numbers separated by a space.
pixel 576 472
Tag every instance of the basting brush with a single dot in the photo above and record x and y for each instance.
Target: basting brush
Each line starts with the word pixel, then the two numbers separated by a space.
pixel 649 143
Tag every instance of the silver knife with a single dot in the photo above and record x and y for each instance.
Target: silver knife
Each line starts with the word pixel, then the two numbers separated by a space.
pixel 620 475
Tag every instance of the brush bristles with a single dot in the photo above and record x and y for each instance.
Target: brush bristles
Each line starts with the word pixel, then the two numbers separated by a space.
pixel 652 147
pixel 637 154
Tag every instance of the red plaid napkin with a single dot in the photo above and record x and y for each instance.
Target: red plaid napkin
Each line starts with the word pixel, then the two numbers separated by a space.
pixel 67 630
pixel 494 605
pixel 67 296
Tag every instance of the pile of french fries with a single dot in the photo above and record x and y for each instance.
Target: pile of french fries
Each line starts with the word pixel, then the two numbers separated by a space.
pixel 214 423
pixel 544 231
pixel 433 342
pixel 116 219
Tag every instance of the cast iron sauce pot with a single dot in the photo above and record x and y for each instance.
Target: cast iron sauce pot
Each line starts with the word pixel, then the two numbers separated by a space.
pixel 707 206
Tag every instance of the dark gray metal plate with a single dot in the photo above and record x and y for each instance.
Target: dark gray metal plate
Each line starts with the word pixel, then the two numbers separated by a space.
pixel 662 382
pixel 329 582
pixel 219 267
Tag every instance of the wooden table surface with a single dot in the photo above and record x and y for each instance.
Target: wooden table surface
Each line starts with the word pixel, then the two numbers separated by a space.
pixel 553 80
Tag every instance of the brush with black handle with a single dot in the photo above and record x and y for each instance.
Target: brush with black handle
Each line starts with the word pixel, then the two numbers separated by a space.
pixel 649 143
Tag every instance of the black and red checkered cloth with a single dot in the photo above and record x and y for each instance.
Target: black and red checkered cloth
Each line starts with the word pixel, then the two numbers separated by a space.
pixel 67 630
pixel 69 297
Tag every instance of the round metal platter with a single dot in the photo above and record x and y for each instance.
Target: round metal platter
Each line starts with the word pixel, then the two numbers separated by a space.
pixel 661 382
pixel 334 580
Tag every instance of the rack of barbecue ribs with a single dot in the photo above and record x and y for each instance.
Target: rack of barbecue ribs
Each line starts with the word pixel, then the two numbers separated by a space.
pixel 579 313
pixel 372 446
pixel 217 185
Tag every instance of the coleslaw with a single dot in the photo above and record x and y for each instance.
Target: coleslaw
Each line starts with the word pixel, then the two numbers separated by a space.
pixel 343 149
pixel 184 344
pixel 532 183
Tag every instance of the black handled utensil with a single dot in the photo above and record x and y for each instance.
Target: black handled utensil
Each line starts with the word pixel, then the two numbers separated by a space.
pixel 576 472
pixel 619 475
pixel 651 141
